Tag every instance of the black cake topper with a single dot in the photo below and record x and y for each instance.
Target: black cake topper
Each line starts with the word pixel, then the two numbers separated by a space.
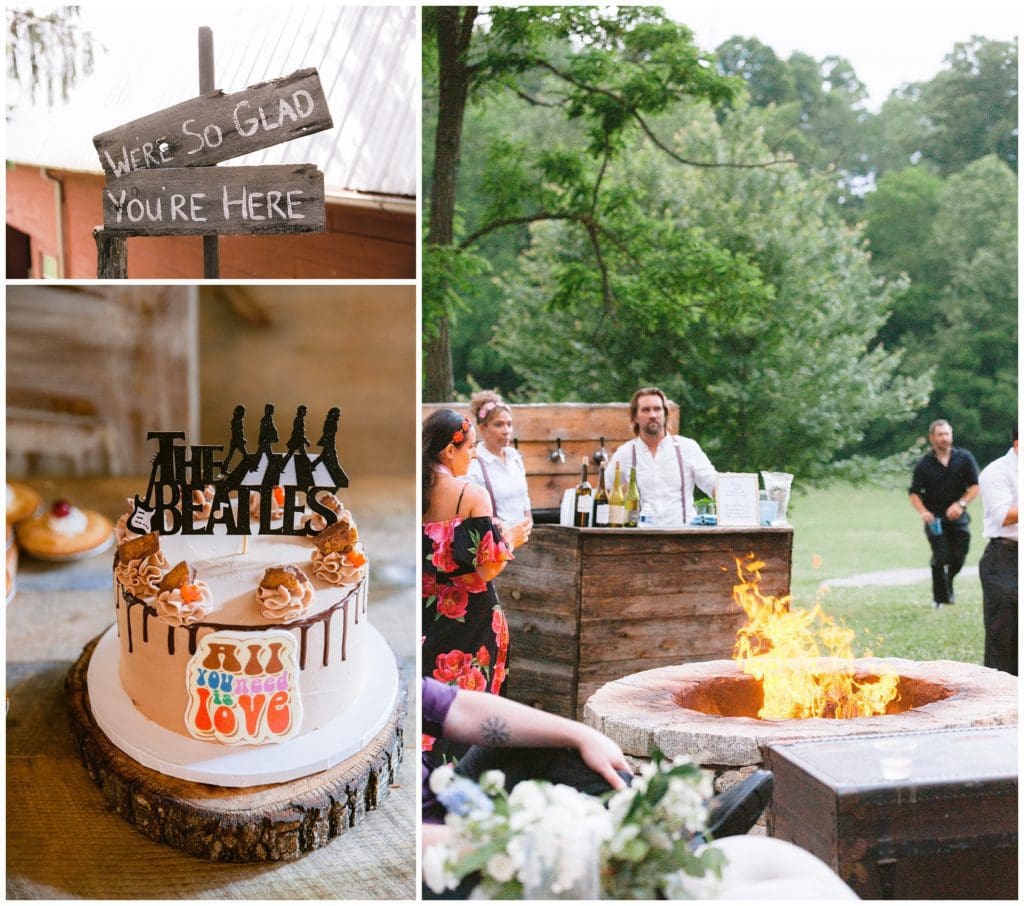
pixel 179 469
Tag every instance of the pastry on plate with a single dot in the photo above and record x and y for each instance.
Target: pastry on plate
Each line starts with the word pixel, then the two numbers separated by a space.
pixel 22 502
pixel 65 532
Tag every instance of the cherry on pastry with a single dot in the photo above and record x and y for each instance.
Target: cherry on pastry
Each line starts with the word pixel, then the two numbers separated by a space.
pixel 61 508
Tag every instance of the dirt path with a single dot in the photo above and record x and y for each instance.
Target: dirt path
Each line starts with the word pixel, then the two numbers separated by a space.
pixel 893 577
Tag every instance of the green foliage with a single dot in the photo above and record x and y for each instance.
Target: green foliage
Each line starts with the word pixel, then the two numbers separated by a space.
pixel 606 73
pixel 754 308
pixel 900 222
pixel 445 269
pixel 972 105
pixel 958 241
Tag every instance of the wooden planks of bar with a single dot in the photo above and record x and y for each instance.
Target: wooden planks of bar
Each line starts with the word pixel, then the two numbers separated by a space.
pixel 587 606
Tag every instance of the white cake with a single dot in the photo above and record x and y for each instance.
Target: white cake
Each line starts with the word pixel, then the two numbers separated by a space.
pixel 214 660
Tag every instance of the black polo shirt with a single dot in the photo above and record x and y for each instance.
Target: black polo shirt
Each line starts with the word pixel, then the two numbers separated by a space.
pixel 937 485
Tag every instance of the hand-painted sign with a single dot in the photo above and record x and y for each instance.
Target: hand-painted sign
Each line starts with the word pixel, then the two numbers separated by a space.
pixel 217 126
pixel 243 688
pixel 208 201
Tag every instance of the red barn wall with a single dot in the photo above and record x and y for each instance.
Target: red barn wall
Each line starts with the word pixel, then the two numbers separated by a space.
pixel 359 242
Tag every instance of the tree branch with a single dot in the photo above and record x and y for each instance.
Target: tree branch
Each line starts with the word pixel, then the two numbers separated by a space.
pixel 635 114
pixel 515 221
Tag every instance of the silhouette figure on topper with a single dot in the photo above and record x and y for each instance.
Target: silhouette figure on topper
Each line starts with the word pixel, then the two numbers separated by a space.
pixel 328 457
pixel 268 437
pixel 257 471
pixel 237 443
pixel 297 445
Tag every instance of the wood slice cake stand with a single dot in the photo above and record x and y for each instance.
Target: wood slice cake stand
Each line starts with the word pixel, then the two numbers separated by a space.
pixel 269 823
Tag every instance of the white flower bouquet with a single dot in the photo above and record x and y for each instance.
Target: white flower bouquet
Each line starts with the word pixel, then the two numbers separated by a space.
pixel 546 841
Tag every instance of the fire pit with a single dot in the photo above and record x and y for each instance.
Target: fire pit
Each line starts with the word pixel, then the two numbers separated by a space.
pixel 709 710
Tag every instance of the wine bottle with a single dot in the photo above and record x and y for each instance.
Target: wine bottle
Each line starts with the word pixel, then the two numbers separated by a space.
pixel 601 501
pixel 617 501
pixel 633 501
pixel 584 500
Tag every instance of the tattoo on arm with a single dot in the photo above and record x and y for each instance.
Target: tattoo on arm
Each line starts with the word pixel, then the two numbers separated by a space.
pixel 495 732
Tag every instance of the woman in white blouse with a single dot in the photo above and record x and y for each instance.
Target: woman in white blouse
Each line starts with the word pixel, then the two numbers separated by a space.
pixel 498 467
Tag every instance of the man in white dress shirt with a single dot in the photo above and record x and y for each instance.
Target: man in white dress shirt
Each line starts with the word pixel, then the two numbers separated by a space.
pixel 668 467
pixel 998 566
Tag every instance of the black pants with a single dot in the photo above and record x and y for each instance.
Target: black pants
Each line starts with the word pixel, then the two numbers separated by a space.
pixel 998 573
pixel 949 550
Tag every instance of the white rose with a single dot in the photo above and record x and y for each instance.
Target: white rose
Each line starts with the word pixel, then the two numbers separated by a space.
pixel 492 782
pixel 441 777
pixel 501 867
pixel 435 868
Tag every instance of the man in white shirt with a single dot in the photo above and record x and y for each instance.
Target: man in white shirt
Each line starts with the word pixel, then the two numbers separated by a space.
pixel 998 566
pixel 668 467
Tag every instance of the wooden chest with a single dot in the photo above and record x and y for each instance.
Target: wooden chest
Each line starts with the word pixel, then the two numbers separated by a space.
pixel 587 606
pixel 948 831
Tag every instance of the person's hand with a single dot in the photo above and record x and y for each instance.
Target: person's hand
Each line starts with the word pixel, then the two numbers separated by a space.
pixel 927 516
pixel 518 534
pixel 603 756
pixel 955 511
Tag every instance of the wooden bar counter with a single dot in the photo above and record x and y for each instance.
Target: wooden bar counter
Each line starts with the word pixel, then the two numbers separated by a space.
pixel 586 606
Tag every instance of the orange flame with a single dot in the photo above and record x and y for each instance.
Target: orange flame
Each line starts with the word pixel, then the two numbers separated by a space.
pixel 784 648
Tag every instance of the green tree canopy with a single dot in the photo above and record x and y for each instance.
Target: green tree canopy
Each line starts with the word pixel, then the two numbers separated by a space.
pixel 972 105
pixel 768 350
pixel 610 71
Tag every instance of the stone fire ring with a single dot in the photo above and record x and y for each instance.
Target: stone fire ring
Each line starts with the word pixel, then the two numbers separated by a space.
pixel 642 711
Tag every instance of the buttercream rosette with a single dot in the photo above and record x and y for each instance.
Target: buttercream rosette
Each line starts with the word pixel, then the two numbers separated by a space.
pixel 276 505
pixel 331 502
pixel 184 605
pixel 285 594
pixel 339 568
pixel 202 501
pixel 142 576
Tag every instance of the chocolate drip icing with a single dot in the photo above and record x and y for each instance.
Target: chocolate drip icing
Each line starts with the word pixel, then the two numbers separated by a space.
pixel 344 631
pixel 327 634
pixel 302 625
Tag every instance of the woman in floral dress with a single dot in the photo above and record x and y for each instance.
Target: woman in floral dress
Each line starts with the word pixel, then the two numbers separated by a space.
pixel 465 635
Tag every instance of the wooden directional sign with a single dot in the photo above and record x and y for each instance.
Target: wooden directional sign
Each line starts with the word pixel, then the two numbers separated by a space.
pixel 217 126
pixel 209 201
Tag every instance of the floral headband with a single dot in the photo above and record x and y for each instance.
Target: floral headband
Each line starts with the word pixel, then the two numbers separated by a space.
pixel 487 408
pixel 459 436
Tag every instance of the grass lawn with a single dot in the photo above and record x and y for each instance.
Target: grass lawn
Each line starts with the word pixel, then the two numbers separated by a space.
pixel 845 530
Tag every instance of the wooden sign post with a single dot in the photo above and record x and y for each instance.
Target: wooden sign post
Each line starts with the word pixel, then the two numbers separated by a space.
pixel 207 83
pixel 161 178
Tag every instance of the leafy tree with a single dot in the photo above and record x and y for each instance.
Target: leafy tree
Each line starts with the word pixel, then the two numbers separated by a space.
pixel 768 79
pixel 975 315
pixel 47 51
pixel 771 358
pixel 816 107
pixel 972 105
pixel 895 137
pixel 610 71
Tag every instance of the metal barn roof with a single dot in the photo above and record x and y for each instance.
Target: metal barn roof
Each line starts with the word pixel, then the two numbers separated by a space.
pixel 368 59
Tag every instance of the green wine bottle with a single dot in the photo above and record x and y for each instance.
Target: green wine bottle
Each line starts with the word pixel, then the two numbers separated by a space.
pixel 617 501
pixel 632 501
pixel 584 500
pixel 601 502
